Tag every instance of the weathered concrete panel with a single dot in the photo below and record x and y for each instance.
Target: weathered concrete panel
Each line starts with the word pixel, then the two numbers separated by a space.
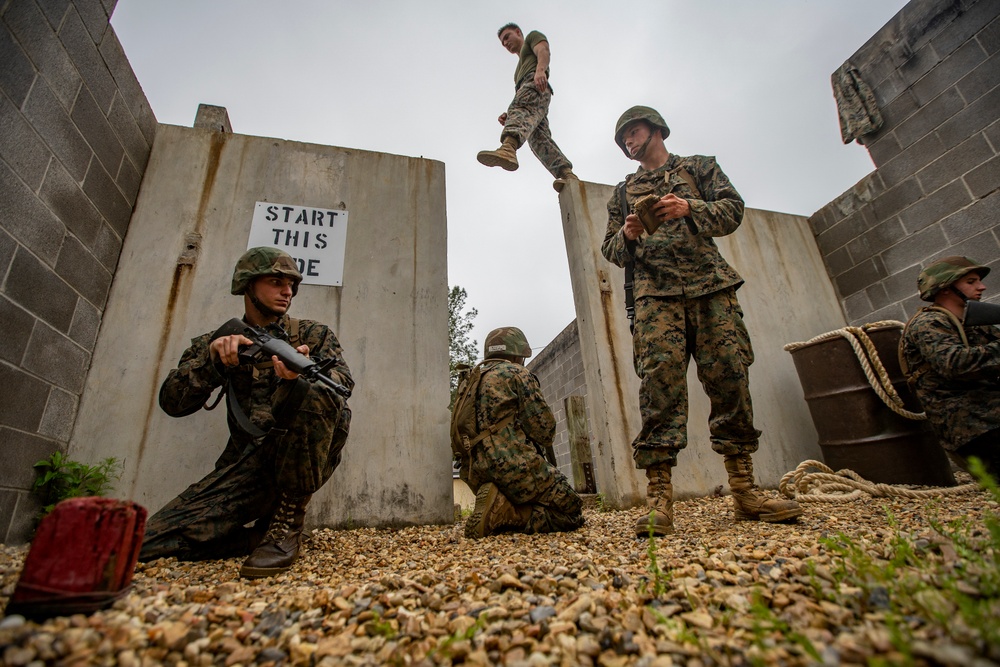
pixel 787 298
pixel 391 317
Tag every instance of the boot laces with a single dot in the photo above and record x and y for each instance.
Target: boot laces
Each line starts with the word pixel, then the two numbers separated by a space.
pixel 281 521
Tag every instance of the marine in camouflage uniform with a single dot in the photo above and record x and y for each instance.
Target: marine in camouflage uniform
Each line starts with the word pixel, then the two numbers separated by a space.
pixel 526 119
pixel 954 369
pixel 267 476
pixel 516 488
pixel 685 307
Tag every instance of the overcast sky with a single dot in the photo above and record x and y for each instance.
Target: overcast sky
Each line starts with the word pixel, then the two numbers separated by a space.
pixel 748 82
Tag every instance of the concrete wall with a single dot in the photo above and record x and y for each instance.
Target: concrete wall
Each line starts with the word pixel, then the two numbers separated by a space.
pixel 786 298
pixel 75 135
pixel 935 72
pixel 191 222
pixel 559 368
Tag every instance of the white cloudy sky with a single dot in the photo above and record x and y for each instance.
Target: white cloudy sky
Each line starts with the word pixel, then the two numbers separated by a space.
pixel 748 82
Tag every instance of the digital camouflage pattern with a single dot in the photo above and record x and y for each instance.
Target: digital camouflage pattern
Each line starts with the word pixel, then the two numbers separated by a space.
pixel 686 306
pixel 648 114
pixel 306 423
pixel 264 261
pixel 527 121
pixel 506 340
pixel 681 258
pixel 944 272
pixel 668 331
pixel 957 386
pixel 512 458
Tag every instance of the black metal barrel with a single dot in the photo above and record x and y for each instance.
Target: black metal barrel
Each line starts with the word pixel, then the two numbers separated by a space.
pixel 857 430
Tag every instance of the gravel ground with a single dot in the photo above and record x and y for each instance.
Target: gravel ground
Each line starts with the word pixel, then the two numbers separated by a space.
pixel 727 594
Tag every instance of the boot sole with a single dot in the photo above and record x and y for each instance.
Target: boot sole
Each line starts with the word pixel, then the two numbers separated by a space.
pixel 492 160
pixel 262 572
pixel 659 530
pixel 773 517
pixel 475 527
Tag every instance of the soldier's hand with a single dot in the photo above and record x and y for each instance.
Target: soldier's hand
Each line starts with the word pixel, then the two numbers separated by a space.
pixel 503 118
pixel 671 207
pixel 541 82
pixel 282 371
pixel 227 349
pixel 632 228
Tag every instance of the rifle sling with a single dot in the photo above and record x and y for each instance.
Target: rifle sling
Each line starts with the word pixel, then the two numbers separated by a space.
pixel 629 266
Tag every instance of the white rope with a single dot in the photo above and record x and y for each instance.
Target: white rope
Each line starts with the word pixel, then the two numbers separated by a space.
pixel 867 355
pixel 827 486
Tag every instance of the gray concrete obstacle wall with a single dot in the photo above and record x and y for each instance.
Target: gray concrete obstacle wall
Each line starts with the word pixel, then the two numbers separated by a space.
pixel 191 223
pixel 75 135
pixel 786 298
pixel 935 72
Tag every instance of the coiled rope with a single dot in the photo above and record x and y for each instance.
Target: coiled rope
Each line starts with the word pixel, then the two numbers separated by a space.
pixel 864 350
pixel 827 486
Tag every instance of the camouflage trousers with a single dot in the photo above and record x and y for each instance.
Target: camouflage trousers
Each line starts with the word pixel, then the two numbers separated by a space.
pixel 669 331
pixel 210 518
pixel 526 478
pixel 527 120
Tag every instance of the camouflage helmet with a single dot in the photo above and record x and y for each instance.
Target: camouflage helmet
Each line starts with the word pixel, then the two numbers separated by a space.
pixel 945 272
pixel 648 114
pixel 506 342
pixel 264 261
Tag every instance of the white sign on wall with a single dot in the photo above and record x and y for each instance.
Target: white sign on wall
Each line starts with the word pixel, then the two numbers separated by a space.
pixel 315 237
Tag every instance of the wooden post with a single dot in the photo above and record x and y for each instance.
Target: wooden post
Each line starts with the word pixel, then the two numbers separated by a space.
pixel 579 444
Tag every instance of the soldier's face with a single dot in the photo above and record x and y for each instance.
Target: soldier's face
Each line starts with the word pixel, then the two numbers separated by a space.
pixel 635 135
pixel 512 40
pixel 971 285
pixel 275 292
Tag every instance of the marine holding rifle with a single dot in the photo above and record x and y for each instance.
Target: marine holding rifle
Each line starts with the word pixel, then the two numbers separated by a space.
pixel 952 362
pixel 681 296
pixel 286 432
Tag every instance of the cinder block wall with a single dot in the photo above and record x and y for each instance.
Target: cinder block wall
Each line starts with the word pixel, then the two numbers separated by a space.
pixel 935 70
pixel 75 135
pixel 559 368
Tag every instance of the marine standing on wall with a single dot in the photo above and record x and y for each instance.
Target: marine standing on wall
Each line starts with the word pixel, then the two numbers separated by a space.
pixel 685 306
pixel 952 367
pixel 500 427
pixel 285 433
pixel 526 119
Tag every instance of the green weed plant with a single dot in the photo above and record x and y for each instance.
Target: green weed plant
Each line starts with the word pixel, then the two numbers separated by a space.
pixel 60 477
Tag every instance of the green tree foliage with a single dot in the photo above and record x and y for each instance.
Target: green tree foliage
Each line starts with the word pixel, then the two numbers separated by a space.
pixel 461 349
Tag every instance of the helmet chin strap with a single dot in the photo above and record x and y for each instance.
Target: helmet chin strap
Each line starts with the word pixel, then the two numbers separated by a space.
pixel 642 149
pixel 261 308
pixel 959 292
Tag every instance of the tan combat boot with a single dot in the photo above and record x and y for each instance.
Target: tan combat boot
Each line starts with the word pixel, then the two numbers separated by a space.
pixel 564 176
pixel 749 504
pixel 493 513
pixel 660 499
pixel 280 547
pixel 505 156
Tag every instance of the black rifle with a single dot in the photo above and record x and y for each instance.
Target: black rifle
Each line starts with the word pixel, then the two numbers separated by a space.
pixel 264 346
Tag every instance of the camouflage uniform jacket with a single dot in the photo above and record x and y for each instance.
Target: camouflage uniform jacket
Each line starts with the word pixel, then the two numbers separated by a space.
pixel 190 385
pixel 958 386
pixel 680 259
pixel 508 389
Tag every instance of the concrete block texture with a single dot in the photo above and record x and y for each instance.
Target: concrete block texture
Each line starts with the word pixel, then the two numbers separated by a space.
pixel 777 256
pixel 937 157
pixel 390 316
pixel 75 136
